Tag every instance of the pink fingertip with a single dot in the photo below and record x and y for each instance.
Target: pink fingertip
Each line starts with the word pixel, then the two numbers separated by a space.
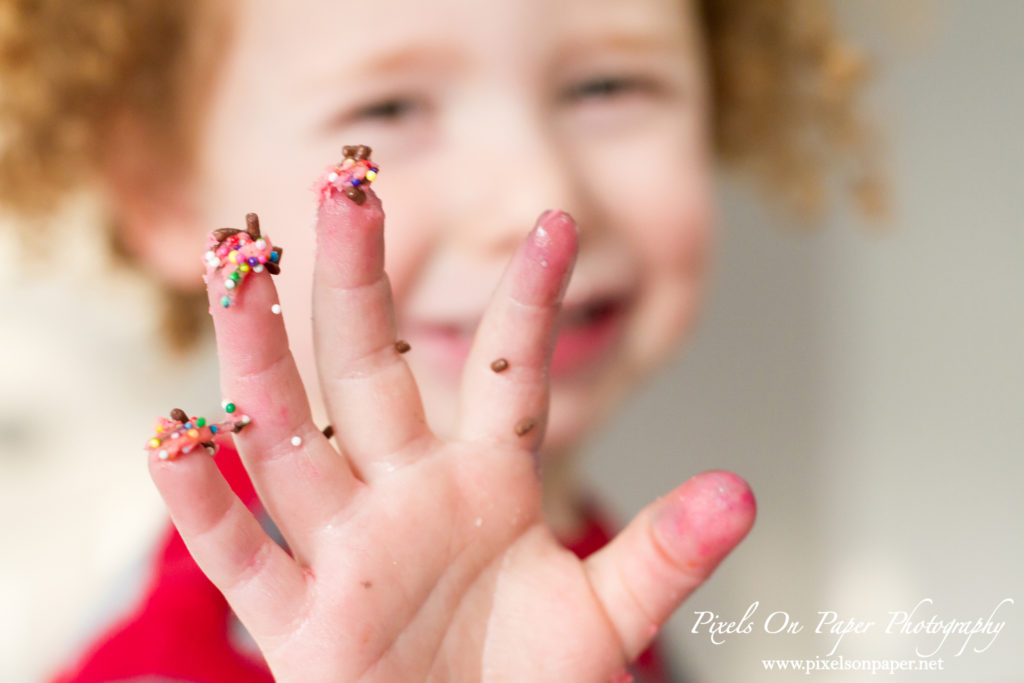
pixel 549 253
pixel 349 239
pixel 703 520
pixel 336 208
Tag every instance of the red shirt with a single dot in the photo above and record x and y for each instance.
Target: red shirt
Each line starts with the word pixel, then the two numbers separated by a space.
pixel 181 628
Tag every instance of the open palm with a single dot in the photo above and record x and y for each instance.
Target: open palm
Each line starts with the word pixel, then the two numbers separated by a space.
pixel 412 558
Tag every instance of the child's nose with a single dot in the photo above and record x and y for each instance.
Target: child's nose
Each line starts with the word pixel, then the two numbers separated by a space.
pixel 516 176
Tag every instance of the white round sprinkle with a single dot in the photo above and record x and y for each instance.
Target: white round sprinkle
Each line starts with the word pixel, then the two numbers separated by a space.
pixel 276 309
pixel 229 284
pixel 258 268
pixel 163 455
pixel 296 440
pixel 332 176
pixel 245 419
pixel 260 243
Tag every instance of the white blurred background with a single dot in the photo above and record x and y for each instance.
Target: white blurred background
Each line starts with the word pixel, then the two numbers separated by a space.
pixel 868 383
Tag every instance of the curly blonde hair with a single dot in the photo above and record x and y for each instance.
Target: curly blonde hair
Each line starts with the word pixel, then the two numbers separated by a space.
pixel 785 85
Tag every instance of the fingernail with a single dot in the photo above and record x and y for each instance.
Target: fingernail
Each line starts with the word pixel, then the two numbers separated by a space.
pixel 547 255
pixel 553 243
pixel 548 221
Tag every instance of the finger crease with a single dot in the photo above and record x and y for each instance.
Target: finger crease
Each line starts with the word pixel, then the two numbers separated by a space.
pixel 370 363
pixel 263 370
pixel 256 564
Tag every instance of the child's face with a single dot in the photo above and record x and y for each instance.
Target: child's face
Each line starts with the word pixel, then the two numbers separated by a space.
pixel 481 115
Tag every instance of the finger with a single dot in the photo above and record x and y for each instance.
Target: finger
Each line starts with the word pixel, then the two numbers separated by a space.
pixel 668 550
pixel 299 477
pixel 370 391
pixel 263 585
pixel 505 381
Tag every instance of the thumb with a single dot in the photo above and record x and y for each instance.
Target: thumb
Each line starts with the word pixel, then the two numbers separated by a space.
pixel 667 551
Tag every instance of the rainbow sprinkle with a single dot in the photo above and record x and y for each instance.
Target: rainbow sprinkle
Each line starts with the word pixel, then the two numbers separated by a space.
pixel 350 176
pixel 236 257
pixel 181 434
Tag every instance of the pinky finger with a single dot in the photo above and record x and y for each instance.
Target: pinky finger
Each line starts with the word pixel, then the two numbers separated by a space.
pixel 262 583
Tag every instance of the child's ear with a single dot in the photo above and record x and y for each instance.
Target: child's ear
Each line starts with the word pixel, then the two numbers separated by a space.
pixel 151 193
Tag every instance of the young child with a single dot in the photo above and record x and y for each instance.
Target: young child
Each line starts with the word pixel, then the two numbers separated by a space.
pixel 436 531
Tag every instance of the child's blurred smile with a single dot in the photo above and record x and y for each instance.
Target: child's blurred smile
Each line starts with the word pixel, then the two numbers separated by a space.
pixel 443 313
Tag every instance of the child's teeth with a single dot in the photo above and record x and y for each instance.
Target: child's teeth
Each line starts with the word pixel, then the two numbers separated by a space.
pixel 584 314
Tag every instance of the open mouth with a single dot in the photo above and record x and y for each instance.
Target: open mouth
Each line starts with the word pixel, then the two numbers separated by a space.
pixel 587 332
pixel 590 313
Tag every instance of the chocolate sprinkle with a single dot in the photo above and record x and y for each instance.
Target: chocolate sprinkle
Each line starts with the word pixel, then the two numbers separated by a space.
pixel 179 415
pixel 329 431
pixel 402 346
pixel 499 365
pixel 355 194
pixel 252 225
pixel 525 425
pixel 221 234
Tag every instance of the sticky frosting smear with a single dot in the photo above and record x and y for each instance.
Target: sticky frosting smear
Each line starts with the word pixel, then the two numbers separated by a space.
pixel 236 254
pixel 181 434
pixel 350 177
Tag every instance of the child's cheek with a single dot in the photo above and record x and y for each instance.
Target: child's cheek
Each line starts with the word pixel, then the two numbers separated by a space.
pixel 663 214
pixel 666 224
pixel 672 233
pixel 656 201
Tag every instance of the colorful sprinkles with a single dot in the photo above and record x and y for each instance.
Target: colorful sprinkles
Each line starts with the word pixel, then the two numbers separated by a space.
pixel 235 254
pixel 180 433
pixel 350 176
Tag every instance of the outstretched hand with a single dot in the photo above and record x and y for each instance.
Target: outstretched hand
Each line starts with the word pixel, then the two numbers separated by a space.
pixel 413 558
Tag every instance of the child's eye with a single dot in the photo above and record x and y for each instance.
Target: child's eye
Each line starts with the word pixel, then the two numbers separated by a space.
pixel 389 110
pixel 605 87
